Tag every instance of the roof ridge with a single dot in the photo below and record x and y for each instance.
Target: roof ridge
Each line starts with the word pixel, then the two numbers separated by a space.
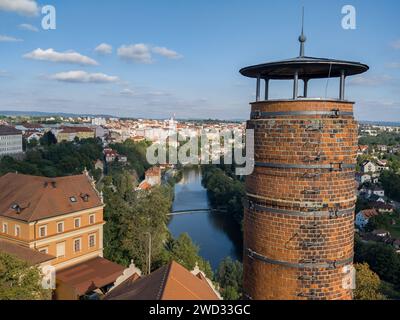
pixel 194 294
pixel 164 281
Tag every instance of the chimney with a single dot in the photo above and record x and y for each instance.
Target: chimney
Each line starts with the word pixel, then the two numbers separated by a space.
pixel 300 200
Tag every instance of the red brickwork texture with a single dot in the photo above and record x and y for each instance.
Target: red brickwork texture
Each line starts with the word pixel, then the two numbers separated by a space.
pixel 303 237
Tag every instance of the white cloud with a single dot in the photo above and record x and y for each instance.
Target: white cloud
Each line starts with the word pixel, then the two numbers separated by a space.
pixel 127 92
pixel 54 56
pixel 395 44
pixel 135 52
pixel 4 38
pixel 104 48
pixel 28 27
pixel 370 80
pixel 168 53
pixel 4 74
pixel 142 53
pixel 80 76
pixel 24 7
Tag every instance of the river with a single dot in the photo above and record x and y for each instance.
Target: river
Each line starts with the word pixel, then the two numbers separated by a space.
pixel 217 235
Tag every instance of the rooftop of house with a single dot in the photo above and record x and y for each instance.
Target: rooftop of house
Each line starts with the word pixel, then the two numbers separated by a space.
pixel 170 282
pixel 154 171
pixel 368 213
pixel 31 256
pixel 31 125
pixel 90 275
pixel 9 131
pixel 382 206
pixel 31 198
pixel 75 129
pixel 144 185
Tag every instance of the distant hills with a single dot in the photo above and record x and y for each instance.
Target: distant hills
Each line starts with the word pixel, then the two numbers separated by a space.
pixel 51 114
pixel 381 123
pixel 74 115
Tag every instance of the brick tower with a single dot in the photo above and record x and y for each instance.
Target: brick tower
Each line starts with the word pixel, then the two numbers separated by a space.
pixel 299 212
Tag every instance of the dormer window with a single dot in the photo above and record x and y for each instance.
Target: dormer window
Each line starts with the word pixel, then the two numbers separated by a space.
pixel 85 197
pixel 73 199
pixel 16 207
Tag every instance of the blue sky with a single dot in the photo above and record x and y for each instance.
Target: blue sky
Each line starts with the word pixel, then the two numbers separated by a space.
pixel 182 57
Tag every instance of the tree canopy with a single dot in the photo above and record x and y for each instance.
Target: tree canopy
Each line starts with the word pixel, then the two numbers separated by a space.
pixel 56 160
pixel 19 281
pixel 368 283
pixel 230 276
pixel 225 191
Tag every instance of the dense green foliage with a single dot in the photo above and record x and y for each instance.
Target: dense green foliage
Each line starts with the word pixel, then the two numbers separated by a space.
pixel 230 276
pixel 381 258
pixel 136 153
pixel 226 191
pixel 48 139
pixel 185 252
pixel 56 160
pixel 19 281
pixel 368 284
pixel 130 218
pixel 386 138
pixel 391 184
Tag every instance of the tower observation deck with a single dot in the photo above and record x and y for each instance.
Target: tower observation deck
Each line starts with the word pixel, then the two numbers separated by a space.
pixel 300 199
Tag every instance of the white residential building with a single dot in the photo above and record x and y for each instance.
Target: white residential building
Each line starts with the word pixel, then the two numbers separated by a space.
pixel 368 167
pixel 363 217
pixel 10 141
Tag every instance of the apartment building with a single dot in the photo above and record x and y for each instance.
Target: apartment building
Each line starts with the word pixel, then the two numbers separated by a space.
pixel 70 133
pixel 10 141
pixel 61 218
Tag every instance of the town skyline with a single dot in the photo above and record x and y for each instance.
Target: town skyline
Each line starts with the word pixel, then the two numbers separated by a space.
pixel 123 66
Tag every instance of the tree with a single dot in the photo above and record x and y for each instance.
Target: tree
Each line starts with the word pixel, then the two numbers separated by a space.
pixel 367 283
pixel 185 252
pixel 48 139
pixel 19 281
pixel 381 258
pixel 378 222
pixel 391 184
pixel 33 143
pixel 230 276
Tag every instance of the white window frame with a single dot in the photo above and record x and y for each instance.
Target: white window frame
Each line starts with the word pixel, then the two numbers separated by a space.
pixel 45 231
pixel 57 244
pixel 17 231
pixel 94 219
pixel 5 228
pixel 80 245
pixel 94 240
pixel 80 222
pixel 63 229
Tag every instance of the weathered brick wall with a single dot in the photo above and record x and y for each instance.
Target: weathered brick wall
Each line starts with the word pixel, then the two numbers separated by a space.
pixel 298 225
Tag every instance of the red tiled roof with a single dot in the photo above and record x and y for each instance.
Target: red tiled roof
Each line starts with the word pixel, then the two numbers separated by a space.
pixel 368 213
pixel 154 171
pixel 32 125
pixel 144 185
pixel 90 275
pixel 8 131
pixel 76 129
pixel 170 282
pixel 36 198
pixel 31 256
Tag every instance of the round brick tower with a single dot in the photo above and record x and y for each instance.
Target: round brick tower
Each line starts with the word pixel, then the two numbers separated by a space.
pixel 299 211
